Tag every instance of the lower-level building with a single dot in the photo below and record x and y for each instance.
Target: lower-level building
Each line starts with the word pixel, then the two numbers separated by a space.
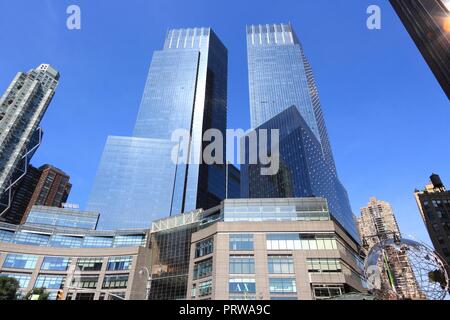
pixel 85 265
pixel 256 249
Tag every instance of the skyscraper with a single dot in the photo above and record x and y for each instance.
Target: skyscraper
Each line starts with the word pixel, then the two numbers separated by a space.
pixel 434 206
pixel 377 224
pixel 137 181
pixel 46 186
pixel 22 107
pixel 428 23
pixel 283 96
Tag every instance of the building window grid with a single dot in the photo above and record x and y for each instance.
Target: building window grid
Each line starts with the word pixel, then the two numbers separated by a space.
pixel 282 285
pixel 119 263
pixel 23 279
pixel 90 264
pixel 55 263
pixel 281 264
pixel 119 281
pixel 203 269
pixel 85 281
pixel 204 248
pixel 241 242
pixel 324 265
pixel 242 264
pixel 20 261
pixel 50 282
pixel 297 241
pixel 204 288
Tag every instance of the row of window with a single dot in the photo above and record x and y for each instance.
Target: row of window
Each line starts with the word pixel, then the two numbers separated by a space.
pixel 23 261
pixel 56 282
pixel 285 241
pixel 65 241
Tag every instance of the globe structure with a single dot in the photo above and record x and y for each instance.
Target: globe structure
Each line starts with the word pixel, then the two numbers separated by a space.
pixel 403 269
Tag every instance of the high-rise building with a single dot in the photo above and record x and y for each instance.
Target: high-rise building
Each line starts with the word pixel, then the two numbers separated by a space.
pixel 428 23
pixel 434 206
pixel 283 96
pixel 22 107
pixel 233 182
pixel 377 224
pixel 46 186
pixel 186 89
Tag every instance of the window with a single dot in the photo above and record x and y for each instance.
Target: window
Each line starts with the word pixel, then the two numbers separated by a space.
pixel 98 242
pixel 242 286
pixel 203 269
pixel 241 242
pixel 23 279
pixel 20 261
pixel 50 282
pixel 55 263
pixel 295 241
pixel 242 265
pixel 34 239
pixel 6 236
pixel 327 291
pixel 281 264
pixel 85 296
pixel 60 241
pixel 324 265
pixel 90 264
pixel 204 248
pixel 119 281
pixel 204 288
pixel 119 263
pixel 282 285
pixel 129 241
pixel 85 281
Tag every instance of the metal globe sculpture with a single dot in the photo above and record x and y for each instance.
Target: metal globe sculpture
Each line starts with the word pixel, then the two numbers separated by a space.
pixel 403 269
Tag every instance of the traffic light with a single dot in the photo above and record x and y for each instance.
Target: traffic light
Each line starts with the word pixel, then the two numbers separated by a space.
pixel 60 295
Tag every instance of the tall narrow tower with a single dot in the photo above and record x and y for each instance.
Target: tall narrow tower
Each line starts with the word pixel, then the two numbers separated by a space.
pixel 21 110
pixel 284 96
pixel 137 181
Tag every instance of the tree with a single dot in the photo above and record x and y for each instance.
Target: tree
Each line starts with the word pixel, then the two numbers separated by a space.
pixel 41 292
pixel 8 288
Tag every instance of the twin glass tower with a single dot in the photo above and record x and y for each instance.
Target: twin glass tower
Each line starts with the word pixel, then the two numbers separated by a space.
pixel 137 182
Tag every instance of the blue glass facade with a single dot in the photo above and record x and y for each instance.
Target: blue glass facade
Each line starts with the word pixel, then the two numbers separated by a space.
pixel 62 218
pixel 303 170
pixel 186 88
pixel 280 76
pixel 284 96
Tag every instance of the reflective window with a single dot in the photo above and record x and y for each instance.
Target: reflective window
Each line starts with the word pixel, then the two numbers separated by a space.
pixel 281 264
pixel 98 242
pixel 241 242
pixel 85 281
pixel 204 247
pixel 282 285
pixel 20 261
pixel 60 241
pixel 34 239
pixel 118 281
pixel 50 282
pixel 119 263
pixel 90 264
pixel 129 241
pixel 6 236
pixel 203 269
pixel 327 291
pixel 295 241
pixel 55 263
pixel 242 265
pixel 23 279
pixel 204 288
pixel 324 265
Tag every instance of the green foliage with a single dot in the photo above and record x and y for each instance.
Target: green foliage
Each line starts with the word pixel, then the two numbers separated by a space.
pixel 41 292
pixel 8 288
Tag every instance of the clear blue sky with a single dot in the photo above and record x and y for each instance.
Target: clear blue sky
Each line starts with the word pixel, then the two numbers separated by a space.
pixel 386 114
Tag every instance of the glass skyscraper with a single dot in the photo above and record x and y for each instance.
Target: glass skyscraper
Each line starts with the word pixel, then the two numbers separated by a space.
pixel 137 182
pixel 283 96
